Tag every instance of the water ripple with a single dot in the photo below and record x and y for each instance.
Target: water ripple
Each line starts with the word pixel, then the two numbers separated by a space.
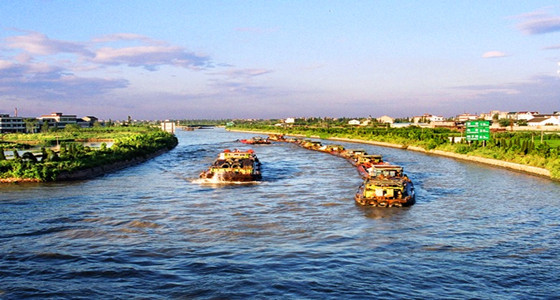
pixel 154 231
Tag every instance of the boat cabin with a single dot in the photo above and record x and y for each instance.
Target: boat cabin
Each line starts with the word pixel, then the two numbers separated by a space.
pixel 387 171
pixel 372 158
pixel 236 154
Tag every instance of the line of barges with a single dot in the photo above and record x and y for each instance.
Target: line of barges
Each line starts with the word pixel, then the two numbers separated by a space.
pixel 384 185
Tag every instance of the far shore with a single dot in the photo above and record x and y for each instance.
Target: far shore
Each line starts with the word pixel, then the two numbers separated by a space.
pixel 541 172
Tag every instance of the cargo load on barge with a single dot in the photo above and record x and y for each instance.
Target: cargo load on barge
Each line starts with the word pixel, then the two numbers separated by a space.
pixel 257 140
pixel 234 166
pixel 386 186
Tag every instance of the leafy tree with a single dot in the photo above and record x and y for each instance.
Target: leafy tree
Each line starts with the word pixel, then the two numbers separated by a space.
pixel 45 127
pixel 72 128
pixel 505 122
pixel 29 157
pixel 30 125
pixel 522 123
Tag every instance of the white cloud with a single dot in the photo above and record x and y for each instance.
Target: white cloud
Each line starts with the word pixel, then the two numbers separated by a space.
pixel 123 37
pixel 39 44
pixel 539 93
pixel 34 66
pixel 538 22
pixel 150 57
pixel 243 73
pixel 494 54
pixel 147 52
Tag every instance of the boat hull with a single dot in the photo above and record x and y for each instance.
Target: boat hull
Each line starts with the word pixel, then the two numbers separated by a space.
pixel 381 198
pixel 237 166
pixel 231 176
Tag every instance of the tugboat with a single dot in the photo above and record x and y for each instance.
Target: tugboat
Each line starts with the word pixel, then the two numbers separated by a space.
pixel 255 141
pixel 277 137
pixel 387 186
pixel 332 149
pixel 234 166
pixel 311 145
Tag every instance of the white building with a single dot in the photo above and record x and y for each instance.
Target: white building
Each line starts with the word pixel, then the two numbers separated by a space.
pixel 11 124
pixel 168 126
pixel 466 117
pixel 421 119
pixel 490 116
pixel 354 122
pixel 426 118
pixel 544 121
pixel 526 115
pixel 58 120
pixel 436 118
pixel 386 119
pixel 290 121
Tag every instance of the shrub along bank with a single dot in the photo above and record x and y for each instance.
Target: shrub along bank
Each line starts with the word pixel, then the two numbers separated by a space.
pixel 519 147
pixel 139 142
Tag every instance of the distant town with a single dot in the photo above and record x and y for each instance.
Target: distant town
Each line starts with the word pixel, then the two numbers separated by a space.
pixel 55 120
pixel 522 120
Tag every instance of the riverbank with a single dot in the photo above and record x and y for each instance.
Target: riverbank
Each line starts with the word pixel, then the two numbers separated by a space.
pixel 90 173
pixel 74 161
pixel 542 172
pixel 105 169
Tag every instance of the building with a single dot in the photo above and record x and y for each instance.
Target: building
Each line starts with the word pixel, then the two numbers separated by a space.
pixel 493 113
pixel 544 120
pixel 402 125
pixel 427 118
pixel 58 120
pixel 168 126
pixel 87 121
pixel 436 118
pixel 386 119
pixel 290 121
pixel 354 122
pixel 526 115
pixel 466 117
pixel 443 124
pixel 421 119
pixel 11 124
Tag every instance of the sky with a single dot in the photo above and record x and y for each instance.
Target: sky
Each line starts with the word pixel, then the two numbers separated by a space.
pixel 277 59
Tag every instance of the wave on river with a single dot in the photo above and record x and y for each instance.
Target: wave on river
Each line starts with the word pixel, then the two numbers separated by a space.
pixel 155 231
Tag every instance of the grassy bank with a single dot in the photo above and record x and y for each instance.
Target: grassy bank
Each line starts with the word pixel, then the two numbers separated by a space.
pixel 130 143
pixel 70 134
pixel 524 148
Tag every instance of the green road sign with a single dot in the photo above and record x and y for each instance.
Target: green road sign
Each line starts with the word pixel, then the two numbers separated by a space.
pixel 478 130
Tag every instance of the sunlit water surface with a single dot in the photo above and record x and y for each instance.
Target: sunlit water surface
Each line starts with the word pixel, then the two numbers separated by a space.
pixel 155 231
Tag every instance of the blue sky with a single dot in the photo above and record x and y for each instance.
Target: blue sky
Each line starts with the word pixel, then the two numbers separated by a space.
pixel 277 59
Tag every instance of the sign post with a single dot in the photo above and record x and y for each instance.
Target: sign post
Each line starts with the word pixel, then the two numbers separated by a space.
pixel 478 131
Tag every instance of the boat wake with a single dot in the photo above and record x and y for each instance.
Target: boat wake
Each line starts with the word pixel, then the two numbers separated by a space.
pixel 218 181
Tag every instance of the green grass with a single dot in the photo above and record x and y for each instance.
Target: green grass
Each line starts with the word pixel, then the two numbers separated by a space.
pixel 129 143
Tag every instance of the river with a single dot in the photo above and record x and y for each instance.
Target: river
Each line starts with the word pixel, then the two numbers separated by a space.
pixel 152 231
